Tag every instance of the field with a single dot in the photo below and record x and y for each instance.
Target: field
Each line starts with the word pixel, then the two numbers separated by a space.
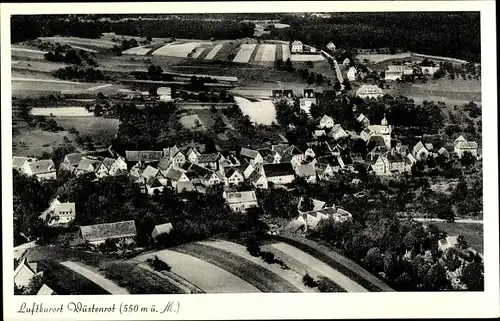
pixel 176 49
pixel 473 233
pixel 192 122
pixel 457 91
pixel 377 58
pixel 43 66
pixel 94 44
pixel 34 142
pixel 254 274
pixel 261 112
pixel 26 53
pixel 244 53
pixel 301 57
pixel 100 129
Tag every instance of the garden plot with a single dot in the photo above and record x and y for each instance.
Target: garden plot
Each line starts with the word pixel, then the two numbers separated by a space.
pixel 288 275
pixel 61 111
pixel 299 57
pixel 177 50
pixel 206 276
pixel 198 52
pixel 244 53
pixel 43 66
pixel 269 53
pixel 214 51
pixel 286 52
pixel 320 267
pixel 27 53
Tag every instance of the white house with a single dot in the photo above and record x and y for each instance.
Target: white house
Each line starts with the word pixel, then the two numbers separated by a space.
pixel 41 169
pixel 461 145
pixel 282 173
pixel 337 132
pixel 87 166
pixel 175 155
pixel 420 151
pixel 448 242
pixel 384 131
pixel 307 171
pixel 111 167
pixel 326 122
pixel 365 122
pixel 162 229
pixel 297 46
pixel 369 91
pixel 233 177
pixel 59 214
pixel 240 201
pixel 331 46
pixel 252 156
pixel 351 74
pixel 258 180
pixel 19 162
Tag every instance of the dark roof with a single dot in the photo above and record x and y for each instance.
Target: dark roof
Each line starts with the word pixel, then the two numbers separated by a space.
pixel 74 158
pixel 377 140
pixel 231 171
pixel 249 153
pixel 104 231
pixel 330 160
pixel 281 169
pixel 144 156
pixel 347 159
pixel 208 158
pixel 279 148
pixel 164 163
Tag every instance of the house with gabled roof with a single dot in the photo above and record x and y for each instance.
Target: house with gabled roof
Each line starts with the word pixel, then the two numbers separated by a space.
pixel 331 46
pixel 317 205
pixel 233 176
pixel 252 156
pixel 228 159
pixel 258 180
pixel 311 219
pixel 325 171
pixel 351 74
pixel 391 163
pixel 443 152
pixel 461 145
pixel 87 166
pixel 307 171
pixel 420 151
pixel 154 184
pixel 59 214
pixel 345 161
pixel 369 91
pixel 240 201
pixel 23 274
pixel 297 46
pixel 19 162
pixel 174 177
pixel 160 229
pixel 209 160
pixel 175 155
pixel 326 122
pixel 41 169
pixel 124 232
pixel 337 132
pixel 103 169
pixel 293 156
pixel 331 160
pixel 282 173
pixel 70 161
pixel 279 148
pixel 365 122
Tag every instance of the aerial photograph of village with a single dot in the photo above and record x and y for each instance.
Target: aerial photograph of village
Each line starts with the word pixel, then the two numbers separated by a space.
pixel 247 153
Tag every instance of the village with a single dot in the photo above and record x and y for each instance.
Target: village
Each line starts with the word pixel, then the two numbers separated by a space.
pixel 340 161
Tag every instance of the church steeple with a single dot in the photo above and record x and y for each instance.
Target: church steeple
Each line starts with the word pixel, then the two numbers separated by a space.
pixel 384 121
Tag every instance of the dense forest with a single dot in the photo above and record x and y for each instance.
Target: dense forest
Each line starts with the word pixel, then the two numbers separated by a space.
pixel 444 34
pixel 30 27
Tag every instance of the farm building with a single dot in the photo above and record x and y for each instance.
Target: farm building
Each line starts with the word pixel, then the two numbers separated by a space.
pixel 326 122
pixel 162 229
pixel 240 201
pixel 19 162
pixel 41 169
pixel 369 91
pixel 448 242
pixel 123 232
pixel 282 173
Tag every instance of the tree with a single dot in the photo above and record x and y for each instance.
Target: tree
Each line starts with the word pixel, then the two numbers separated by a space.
pixel 278 63
pixel 373 259
pixel 98 110
pixel 462 243
pixel 435 278
pixel 309 281
pixel 307 204
pixel 467 159
pixel 347 85
pixel 473 276
pixel 337 86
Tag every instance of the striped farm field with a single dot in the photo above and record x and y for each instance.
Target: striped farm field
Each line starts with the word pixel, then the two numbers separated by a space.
pixel 254 274
pixel 279 52
pixel 198 52
pixel 228 50
pixel 100 43
pixel 269 53
pixel 285 52
pixel 244 53
pixel 177 49
pixel 320 267
pixel 288 275
pixel 212 53
pixel 299 57
pixel 208 277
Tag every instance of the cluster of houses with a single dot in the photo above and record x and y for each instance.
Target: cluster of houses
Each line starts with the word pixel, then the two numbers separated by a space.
pixel 307 99
pixel 410 70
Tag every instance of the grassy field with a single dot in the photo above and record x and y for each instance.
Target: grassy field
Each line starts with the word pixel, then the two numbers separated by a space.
pixel 34 142
pixel 100 129
pixel 261 278
pixel 473 233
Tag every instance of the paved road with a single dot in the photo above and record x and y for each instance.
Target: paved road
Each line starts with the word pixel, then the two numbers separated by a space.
pixel 320 267
pixel 340 78
pixel 96 278
pixel 465 221
pixel 47 80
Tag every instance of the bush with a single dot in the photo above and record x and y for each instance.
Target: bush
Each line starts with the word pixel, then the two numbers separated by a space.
pixel 309 281
pixel 253 247
pixel 158 265
pixel 327 285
